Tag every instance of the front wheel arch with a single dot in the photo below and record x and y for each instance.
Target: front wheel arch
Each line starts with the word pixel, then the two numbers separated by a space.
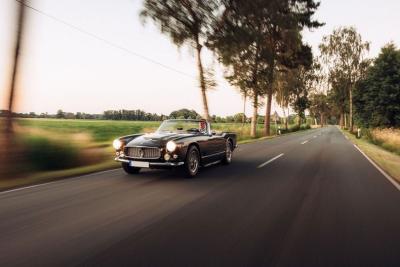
pixel 198 149
pixel 187 172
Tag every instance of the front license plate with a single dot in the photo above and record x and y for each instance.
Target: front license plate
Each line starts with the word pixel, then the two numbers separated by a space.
pixel 140 164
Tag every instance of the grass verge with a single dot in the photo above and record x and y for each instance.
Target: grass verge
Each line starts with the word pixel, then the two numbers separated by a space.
pixel 388 161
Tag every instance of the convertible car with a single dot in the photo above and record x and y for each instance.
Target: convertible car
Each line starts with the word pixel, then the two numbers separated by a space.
pixel 183 144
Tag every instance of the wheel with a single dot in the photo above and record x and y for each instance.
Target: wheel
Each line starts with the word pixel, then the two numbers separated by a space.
pixel 228 153
pixel 130 170
pixel 192 162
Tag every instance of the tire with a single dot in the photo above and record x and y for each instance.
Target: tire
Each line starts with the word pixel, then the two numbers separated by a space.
pixel 228 153
pixel 130 170
pixel 192 162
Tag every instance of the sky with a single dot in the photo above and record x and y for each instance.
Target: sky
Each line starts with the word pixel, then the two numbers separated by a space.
pixel 70 69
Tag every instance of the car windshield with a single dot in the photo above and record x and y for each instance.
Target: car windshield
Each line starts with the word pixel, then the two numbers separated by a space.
pixel 178 126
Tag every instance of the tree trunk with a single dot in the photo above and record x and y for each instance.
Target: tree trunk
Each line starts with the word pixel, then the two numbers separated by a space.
pixel 267 120
pixel 7 147
pixel 345 120
pixel 287 120
pixel 341 121
pixel 244 108
pixel 322 120
pixel 351 109
pixel 206 114
pixel 253 131
pixel 299 122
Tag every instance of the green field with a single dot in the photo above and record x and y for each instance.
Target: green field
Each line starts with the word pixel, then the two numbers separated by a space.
pixel 103 131
pixel 99 130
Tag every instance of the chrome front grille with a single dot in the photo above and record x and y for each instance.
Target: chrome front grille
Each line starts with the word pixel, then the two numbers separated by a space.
pixel 143 152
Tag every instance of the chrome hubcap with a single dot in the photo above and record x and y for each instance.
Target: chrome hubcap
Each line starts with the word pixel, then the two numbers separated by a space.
pixel 228 152
pixel 193 161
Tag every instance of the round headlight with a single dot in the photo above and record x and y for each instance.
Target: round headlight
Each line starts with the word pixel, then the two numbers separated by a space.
pixel 117 144
pixel 171 146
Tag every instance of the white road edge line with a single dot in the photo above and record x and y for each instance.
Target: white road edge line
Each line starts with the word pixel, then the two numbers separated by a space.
pixel 387 176
pixel 305 142
pixel 269 161
pixel 53 182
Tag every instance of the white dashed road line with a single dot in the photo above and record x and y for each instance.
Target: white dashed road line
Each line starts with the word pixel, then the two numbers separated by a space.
pixel 271 160
pixel 305 142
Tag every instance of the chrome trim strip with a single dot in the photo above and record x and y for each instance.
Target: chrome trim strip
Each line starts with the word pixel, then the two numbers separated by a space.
pixel 161 164
pixel 172 164
pixel 212 163
pixel 213 154
pixel 144 147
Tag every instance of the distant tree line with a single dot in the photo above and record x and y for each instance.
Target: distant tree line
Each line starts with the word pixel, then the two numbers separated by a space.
pixel 140 115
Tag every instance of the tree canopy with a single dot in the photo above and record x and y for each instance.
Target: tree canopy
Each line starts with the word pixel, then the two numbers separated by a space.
pixel 377 96
pixel 185 22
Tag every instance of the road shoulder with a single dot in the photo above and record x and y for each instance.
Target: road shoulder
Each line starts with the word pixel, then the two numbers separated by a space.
pixel 387 161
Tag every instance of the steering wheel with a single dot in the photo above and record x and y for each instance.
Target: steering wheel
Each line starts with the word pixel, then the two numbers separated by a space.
pixel 193 130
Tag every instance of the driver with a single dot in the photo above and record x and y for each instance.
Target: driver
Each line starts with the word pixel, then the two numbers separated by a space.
pixel 203 127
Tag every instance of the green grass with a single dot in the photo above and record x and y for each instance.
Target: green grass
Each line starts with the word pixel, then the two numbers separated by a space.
pixel 100 130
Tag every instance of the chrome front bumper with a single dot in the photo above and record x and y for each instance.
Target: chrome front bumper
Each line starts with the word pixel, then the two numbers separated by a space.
pixel 154 164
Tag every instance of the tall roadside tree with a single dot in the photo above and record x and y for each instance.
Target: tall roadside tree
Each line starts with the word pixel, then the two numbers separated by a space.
pixel 282 96
pixel 299 81
pixel 377 95
pixel 284 22
pixel 253 38
pixel 238 40
pixel 185 22
pixel 344 51
pixel 7 149
pixel 319 107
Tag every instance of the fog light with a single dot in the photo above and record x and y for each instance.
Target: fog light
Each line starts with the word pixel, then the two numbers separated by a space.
pixel 175 156
pixel 117 153
pixel 167 157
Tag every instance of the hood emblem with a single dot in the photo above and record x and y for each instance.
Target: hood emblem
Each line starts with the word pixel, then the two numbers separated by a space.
pixel 141 152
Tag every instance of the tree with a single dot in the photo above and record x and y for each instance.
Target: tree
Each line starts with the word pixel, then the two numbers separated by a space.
pixel 238 41
pixel 344 52
pixel 239 117
pixel 185 22
pixel 298 82
pixel 184 114
pixel 377 95
pixel 60 114
pixel 319 106
pixel 284 43
pixel 7 149
pixel 255 38
pixel 338 97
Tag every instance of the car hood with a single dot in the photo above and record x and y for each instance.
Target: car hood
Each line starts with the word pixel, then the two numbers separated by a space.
pixel 156 139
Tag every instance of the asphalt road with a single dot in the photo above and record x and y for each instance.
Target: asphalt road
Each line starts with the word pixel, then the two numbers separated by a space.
pixel 307 199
